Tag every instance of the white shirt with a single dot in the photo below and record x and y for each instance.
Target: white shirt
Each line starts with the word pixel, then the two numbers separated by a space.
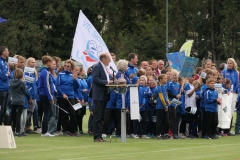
pixel 190 101
pixel 105 69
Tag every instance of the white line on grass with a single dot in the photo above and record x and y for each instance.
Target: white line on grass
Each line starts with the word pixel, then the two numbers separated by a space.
pixel 166 150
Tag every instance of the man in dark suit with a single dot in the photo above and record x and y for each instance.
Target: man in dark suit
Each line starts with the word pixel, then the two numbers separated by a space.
pixel 100 79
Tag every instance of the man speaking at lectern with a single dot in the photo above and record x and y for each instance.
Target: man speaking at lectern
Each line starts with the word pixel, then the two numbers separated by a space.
pixel 100 79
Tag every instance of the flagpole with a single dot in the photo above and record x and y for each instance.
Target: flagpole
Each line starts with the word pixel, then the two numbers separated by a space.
pixel 166 26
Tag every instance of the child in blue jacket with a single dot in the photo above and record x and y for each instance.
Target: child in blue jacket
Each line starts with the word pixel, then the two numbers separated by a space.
pixel 162 124
pixel 237 124
pixel 211 109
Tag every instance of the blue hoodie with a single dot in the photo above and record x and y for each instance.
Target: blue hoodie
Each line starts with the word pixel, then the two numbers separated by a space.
pixel 203 90
pixel 83 85
pixel 32 87
pixel 4 85
pixel 120 73
pixel 89 82
pixel 181 108
pixel 210 97
pixel 45 83
pixel 161 89
pixel 238 99
pixel 131 70
pixel 233 76
pixel 112 103
pixel 173 90
pixel 142 98
pixel 66 84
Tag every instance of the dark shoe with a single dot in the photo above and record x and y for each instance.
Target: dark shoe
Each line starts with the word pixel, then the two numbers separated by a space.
pixel 65 133
pixel 29 131
pixel 23 134
pixel 104 140
pixel 17 135
pixel 98 140
pixel 214 137
pixel 191 136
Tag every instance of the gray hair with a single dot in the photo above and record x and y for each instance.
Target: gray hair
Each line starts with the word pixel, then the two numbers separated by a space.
pixel 121 64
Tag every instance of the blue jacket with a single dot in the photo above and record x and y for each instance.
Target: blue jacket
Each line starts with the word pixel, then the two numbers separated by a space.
pixel 181 108
pixel 173 90
pixel 147 95
pixel 89 82
pixel 210 97
pixel 66 84
pixel 45 83
pixel 32 87
pixel 131 70
pixel 112 103
pixel 238 99
pixel 202 101
pixel 120 73
pixel 83 85
pixel 4 85
pixel 119 100
pixel 163 90
pixel 233 76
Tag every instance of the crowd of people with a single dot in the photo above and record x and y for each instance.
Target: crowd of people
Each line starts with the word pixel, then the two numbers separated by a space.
pixel 44 102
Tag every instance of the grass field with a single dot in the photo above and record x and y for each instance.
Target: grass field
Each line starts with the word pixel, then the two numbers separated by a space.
pixel 78 148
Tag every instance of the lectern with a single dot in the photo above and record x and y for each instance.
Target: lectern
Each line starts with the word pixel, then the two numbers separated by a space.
pixel 123 88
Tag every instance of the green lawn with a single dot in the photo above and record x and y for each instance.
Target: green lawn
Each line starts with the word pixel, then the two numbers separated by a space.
pixel 78 148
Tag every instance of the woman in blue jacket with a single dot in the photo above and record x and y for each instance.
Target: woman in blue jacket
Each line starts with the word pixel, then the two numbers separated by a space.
pixel 66 83
pixel 231 73
pixel 84 91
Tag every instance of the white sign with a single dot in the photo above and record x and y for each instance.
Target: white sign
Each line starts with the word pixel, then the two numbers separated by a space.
pixel 134 103
pixel 177 102
pixel 7 138
pixel 77 106
pixel 13 60
pixel 88 44
pixel 226 109
pixel 29 69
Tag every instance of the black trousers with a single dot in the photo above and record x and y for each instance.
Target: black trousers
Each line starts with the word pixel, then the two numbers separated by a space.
pixel 211 122
pixel 98 118
pixel 172 118
pixel 162 124
pixel 203 121
pixel 40 114
pixel 16 110
pixel 110 114
pixel 79 117
pixel 64 104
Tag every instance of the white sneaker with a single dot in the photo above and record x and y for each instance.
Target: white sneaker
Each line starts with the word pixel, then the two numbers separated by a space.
pixel 132 135
pixel 104 136
pixel 47 135
pixel 58 133
pixel 145 136
pixel 136 136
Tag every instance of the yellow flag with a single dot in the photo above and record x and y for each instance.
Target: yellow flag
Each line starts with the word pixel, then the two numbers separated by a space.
pixel 187 46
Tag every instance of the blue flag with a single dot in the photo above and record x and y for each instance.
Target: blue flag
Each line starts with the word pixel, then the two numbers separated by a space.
pixel 188 67
pixel 2 20
pixel 176 60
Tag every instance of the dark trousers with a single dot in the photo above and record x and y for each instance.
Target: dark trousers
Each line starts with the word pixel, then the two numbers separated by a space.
pixel 64 104
pixel 90 120
pixel 110 114
pixel 203 121
pixel 99 112
pixel 150 121
pixel 140 128
pixel 3 104
pixel 172 118
pixel 162 124
pixel 176 124
pixel 183 123
pixel 79 116
pixel 211 122
pixel 47 111
pixel 16 117
pixel 40 114
pixel 118 121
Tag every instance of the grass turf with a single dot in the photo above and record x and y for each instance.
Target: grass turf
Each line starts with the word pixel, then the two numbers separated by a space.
pixel 78 148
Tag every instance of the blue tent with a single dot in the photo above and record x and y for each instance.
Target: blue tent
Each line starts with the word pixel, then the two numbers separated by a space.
pixel 2 20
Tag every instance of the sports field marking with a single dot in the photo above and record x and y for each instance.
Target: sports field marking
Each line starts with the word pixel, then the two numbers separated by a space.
pixel 164 150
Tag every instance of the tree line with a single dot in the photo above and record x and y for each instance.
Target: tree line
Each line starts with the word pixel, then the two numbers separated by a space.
pixel 36 28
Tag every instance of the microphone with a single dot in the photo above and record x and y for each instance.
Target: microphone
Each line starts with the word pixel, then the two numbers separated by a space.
pixel 112 69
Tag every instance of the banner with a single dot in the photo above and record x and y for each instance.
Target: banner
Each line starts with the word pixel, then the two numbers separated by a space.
pixel 88 44
pixel 186 47
pixel 189 66
pixel 134 103
pixel 176 60
pixel 226 109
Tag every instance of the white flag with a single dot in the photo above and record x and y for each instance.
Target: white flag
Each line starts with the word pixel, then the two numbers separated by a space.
pixel 88 44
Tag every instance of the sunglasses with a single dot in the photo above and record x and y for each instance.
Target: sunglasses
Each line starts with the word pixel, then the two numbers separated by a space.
pixel 67 66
